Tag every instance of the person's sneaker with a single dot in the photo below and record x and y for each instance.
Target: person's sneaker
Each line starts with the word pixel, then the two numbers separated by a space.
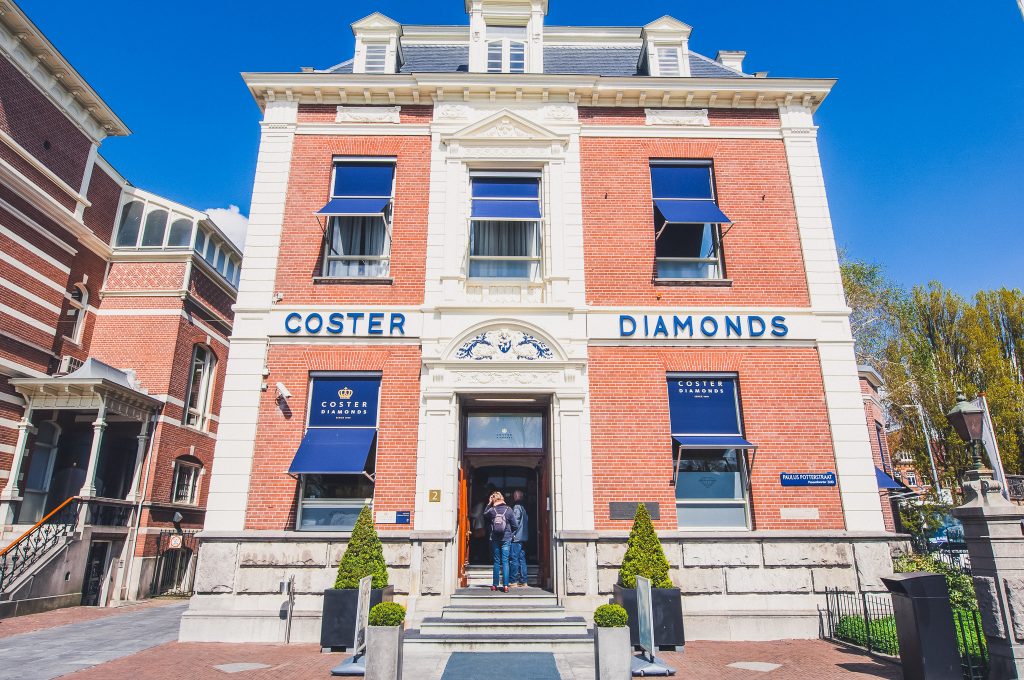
pixel 494 588
pixel 524 585
pixel 505 589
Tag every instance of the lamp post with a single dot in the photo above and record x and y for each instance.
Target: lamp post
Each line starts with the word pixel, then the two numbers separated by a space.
pixel 968 419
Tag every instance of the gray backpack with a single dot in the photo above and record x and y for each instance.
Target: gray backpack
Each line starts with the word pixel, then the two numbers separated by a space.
pixel 499 524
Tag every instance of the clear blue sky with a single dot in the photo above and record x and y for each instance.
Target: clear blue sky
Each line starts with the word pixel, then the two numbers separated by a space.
pixel 922 139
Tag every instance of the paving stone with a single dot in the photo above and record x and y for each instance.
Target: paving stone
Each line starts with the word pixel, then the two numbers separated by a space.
pixel 760 666
pixel 241 667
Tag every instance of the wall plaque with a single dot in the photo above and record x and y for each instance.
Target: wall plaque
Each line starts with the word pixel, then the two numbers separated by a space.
pixel 627 509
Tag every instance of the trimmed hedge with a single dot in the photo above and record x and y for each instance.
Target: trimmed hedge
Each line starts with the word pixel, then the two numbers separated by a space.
pixel 644 554
pixel 883 633
pixel 387 614
pixel 611 616
pixel 363 556
pixel 961 586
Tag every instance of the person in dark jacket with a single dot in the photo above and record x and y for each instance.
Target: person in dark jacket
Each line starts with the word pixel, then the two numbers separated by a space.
pixel 501 523
pixel 517 554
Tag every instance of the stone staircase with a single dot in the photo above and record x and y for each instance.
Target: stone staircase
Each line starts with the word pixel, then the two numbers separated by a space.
pixel 525 619
pixel 483 575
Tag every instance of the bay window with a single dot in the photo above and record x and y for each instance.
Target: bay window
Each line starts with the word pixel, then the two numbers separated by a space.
pixel 687 221
pixel 357 239
pixel 504 234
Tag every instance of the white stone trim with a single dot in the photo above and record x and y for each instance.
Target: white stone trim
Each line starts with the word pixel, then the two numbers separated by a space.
pixel 19 370
pixel 12 399
pixel 368 114
pixel 30 297
pixel 38 165
pixel 7 422
pixel 35 323
pixel 362 129
pixel 35 226
pixel 687 117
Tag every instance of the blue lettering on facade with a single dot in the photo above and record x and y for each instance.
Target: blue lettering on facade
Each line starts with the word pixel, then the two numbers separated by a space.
pixel 377 323
pixel 711 331
pixel 373 323
pixel 397 324
pixel 731 326
pixel 314 322
pixel 336 323
pixel 757 330
pixel 289 326
pixel 625 319
pixel 680 326
pixel 660 327
pixel 779 327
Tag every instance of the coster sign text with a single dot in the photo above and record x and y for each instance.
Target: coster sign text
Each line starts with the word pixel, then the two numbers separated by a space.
pixel 346 323
pixel 689 326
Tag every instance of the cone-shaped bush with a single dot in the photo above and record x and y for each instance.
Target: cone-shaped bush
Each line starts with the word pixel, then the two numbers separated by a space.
pixel 644 555
pixel 363 556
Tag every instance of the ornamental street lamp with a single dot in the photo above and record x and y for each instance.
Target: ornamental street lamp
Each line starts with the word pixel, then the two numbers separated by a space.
pixel 968 419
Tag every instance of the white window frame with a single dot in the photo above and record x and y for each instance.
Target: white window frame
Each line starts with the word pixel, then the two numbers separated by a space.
pixel 196 471
pixel 149 207
pixel 198 417
pixel 745 463
pixel 717 260
pixel 383 65
pixel 82 307
pixel 663 50
pixel 540 226
pixel 506 43
pixel 389 218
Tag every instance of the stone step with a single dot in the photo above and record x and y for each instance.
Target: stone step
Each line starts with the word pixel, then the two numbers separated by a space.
pixel 461 612
pixel 484 597
pixel 464 642
pixel 499 626
pixel 483 575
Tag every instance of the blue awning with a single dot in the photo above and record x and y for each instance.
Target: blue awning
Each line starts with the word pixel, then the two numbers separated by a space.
pixel 494 209
pixel 713 442
pixel 333 451
pixel 690 211
pixel 885 481
pixel 354 206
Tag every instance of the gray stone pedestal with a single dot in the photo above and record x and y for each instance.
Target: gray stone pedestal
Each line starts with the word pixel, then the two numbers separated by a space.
pixel 994 533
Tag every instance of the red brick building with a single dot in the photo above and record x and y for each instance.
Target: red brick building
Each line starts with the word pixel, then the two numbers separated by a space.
pixel 586 263
pixel 115 309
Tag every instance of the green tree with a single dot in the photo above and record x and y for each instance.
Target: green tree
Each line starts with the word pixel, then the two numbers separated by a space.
pixel 363 556
pixel 644 554
pixel 872 299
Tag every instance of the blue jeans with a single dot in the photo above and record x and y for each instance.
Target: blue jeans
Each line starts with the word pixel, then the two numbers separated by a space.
pixel 517 562
pixel 499 551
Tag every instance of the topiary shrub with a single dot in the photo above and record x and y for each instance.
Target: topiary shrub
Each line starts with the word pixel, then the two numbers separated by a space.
pixel 387 614
pixel 961 586
pixel 363 556
pixel 610 616
pixel 644 555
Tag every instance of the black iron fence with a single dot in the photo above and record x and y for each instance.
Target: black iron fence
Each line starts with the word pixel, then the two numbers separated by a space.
pixel 174 571
pixel 30 547
pixel 866 620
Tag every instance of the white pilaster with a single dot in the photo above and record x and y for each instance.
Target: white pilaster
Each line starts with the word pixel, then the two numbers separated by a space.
pixel 236 435
pixel 858 487
pixel 98 427
pixel 140 455
pixel 10 491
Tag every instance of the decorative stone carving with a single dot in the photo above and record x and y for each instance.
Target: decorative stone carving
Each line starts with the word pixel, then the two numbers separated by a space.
pixel 452 112
pixel 504 343
pixel 576 581
pixel 988 605
pixel 690 117
pixel 504 129
pixel 559 112
pixel 368 114
pixel 432 568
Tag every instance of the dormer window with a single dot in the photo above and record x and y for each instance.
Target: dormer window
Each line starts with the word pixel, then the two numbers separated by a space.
pixel 668 61
pixel 376 58
pixel 506 49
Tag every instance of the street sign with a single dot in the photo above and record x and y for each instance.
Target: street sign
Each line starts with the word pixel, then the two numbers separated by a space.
pixel 645 615
pixel 362 613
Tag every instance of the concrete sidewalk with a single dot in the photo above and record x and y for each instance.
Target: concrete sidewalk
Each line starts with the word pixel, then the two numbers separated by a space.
pixel 787 660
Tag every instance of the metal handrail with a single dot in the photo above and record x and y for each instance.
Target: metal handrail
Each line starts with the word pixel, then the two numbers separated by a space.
pixel 17 557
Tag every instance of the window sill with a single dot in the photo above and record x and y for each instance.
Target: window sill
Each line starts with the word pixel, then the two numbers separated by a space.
pixel 709 283
pixel 350 280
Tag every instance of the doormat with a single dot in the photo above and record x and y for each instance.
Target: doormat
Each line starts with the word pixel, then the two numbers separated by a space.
pixel 519 665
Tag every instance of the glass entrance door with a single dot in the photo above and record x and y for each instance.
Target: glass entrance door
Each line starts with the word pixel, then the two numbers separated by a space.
pixel 506 479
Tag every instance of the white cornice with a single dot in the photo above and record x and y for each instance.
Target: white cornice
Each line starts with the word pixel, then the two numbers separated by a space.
pixel 26 47
pixel 626 91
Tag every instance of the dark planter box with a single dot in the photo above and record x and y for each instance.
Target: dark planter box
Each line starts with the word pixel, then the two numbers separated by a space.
pixel 338 628
pixel 667 604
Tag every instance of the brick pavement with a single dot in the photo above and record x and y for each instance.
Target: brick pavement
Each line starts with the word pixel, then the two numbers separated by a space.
pixel 62 617
pixel 797 659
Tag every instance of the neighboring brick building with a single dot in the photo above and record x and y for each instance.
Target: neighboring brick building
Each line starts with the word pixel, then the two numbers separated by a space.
pixel 585 262
pixel 115 309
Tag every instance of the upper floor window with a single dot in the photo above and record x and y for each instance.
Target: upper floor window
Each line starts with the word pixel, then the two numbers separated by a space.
pixel 376 58
pixel 198 401
pixel 911 478
pixel 687 221
pixel 668 61
pixel 218 255
pixel 78 303
pixel 358 235
pixel 506 49
pixel 159 229
pixel 504 234
pixel 186 482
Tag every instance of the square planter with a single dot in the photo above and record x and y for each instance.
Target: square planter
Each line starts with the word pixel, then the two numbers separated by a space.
pixel 667 604
pixel 338 627
pixel 384 652
pixel 613 655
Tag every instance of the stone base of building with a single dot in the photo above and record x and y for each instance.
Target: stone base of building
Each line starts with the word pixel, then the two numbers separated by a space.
pixel 736 585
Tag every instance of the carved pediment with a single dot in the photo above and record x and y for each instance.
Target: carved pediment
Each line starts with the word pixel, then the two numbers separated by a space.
pixel 667 24
pixel 375 21
pixel 505 127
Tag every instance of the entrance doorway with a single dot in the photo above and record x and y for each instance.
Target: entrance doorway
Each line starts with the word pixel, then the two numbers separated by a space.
pixel 505 446
pixel 95 570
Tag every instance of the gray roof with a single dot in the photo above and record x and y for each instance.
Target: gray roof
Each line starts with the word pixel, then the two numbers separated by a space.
pixel 598 61
pixel 94 369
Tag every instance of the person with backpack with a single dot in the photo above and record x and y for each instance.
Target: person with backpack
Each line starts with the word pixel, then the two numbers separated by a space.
pixel 517 555
pixel 502 523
